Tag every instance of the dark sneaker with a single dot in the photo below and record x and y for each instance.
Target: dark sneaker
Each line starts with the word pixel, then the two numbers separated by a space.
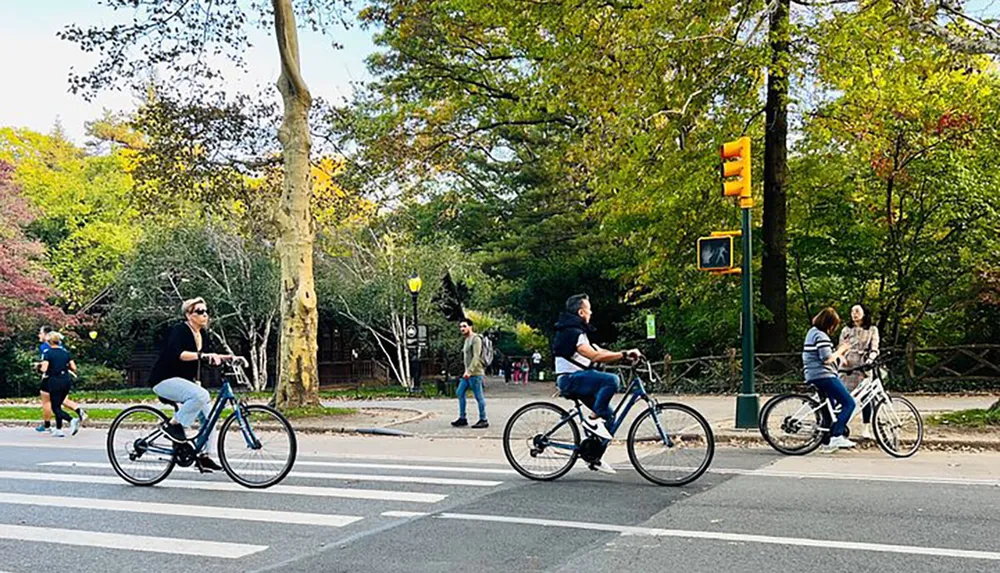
pixel 175 432
pixel 460 423
pixel 207 463
pixel 481 424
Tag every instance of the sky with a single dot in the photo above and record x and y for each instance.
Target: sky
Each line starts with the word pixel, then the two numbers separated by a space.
pixel 34 65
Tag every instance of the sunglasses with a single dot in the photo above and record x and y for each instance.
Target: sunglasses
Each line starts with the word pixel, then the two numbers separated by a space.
pixel 200 311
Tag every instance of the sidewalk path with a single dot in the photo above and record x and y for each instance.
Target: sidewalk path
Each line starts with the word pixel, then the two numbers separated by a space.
pixel 503 400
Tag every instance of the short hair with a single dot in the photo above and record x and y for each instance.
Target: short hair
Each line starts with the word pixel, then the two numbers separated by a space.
pixel 827 320
pixel 46 329
pixel 467 321
pixel 54 338
pixel 190 303
pixel 575 302
pixel 866 320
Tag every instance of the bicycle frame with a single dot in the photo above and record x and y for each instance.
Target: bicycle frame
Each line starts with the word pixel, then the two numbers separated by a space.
pixel 870 391
pixel 637 392
pixel 224 398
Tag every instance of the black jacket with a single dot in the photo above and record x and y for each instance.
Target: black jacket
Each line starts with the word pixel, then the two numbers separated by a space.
pixel 569 327
pixel 180 338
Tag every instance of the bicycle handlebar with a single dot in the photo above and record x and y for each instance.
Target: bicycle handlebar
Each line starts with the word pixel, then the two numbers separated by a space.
pixel 870 365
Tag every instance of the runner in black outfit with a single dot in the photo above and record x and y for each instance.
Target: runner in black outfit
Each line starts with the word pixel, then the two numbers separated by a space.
pixel 56 366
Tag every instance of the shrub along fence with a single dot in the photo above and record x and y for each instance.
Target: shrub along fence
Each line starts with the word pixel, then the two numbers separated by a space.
pixel 968 368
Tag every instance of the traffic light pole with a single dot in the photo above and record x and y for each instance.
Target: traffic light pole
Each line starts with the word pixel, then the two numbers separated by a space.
pixel 747 403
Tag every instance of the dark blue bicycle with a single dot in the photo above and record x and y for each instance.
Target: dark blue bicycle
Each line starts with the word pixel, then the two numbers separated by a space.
pixel 257 445
pixel 668 444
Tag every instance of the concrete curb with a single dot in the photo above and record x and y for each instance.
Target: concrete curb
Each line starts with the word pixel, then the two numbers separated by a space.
pixel 755 440
pixel 386 430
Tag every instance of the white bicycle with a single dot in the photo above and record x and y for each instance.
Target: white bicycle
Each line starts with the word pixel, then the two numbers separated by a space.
pixel 795 424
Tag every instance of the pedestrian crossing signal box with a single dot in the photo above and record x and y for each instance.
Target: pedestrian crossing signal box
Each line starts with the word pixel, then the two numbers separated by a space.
pixel 715 253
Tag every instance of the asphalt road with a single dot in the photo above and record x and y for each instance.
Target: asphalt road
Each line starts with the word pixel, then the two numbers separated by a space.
pixel 434 510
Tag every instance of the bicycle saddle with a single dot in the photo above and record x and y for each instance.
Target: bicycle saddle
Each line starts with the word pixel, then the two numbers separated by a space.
pixel 170 403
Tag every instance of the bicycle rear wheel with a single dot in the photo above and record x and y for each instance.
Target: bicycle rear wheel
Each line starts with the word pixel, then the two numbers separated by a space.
pixel 898 428
pixel 685 454
pixel 137 447
pixel 541 442
pixel 257 446
pixel 793 424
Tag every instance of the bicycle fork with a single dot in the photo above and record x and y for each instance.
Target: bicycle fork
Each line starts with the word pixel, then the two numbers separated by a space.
pixel 251 439
pixel 659 427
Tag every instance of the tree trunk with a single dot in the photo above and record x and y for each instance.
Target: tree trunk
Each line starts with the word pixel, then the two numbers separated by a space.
pixel 298 381
pixel 772 333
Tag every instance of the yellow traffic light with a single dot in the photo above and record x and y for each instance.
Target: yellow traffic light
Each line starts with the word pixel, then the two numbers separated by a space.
pixel 736 170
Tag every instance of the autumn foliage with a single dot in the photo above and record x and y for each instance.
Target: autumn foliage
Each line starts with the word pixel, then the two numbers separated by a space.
pixel 25 288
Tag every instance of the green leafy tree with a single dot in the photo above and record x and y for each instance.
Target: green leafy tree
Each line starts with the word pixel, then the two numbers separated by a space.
pixel 895 204
pixel 86 217
pixel 363 272
pixel 238 277
pixel 174 38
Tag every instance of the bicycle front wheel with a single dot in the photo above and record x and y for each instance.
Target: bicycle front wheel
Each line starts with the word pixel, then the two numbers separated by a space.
pixel 793 424
pixel 257 446
pixel 137 448
pixel 898 428
pixel 541 441
pixel 672 445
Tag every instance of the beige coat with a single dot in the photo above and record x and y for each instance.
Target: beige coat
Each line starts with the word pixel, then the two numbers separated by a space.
pixel 864 346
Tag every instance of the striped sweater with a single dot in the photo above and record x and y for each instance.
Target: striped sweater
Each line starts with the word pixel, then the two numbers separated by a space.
pixel 816 349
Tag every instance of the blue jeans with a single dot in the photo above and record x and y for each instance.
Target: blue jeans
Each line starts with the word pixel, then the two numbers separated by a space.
pixel 475 383
pixel 194 402
pixel 592 385
pixel 836 391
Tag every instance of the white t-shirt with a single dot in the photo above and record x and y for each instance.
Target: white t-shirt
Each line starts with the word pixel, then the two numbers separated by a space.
pixel 536 358
pixel 564 366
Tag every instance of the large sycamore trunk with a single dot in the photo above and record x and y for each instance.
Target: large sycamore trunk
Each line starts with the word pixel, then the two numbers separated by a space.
pixel 298 380
pixel 772 334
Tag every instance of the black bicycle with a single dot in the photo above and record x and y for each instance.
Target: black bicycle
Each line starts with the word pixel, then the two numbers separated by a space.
pixel 668 444
pixel 257 445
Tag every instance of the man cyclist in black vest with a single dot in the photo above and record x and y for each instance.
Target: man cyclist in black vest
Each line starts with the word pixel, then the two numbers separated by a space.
pixel 575 355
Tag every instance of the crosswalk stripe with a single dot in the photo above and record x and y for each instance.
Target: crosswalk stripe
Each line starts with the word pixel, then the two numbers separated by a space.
pixel 404 514
pixel 129 542
pixel 208 511
pixel 331 476
pixel 374 494
pixel 404 467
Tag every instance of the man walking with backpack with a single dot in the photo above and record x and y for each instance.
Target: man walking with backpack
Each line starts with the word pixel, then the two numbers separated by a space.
pixel 477 353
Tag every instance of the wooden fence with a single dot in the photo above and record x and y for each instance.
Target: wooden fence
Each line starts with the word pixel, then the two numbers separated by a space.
pixel 973 367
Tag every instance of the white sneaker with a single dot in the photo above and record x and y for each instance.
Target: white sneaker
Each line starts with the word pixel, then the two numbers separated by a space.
pixel 58 434
pixel 74 426
pixel 866 434
pixel 84 416
pixel 841 442
pixel 597 428
pixel 603 467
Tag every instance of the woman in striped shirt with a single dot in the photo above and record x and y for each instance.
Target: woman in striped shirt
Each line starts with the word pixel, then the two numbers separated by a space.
pixel 819 360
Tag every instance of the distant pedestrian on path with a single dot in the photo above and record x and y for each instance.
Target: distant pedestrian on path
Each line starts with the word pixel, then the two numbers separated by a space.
pixel 525 371
pixel 536 360
pixel 472 378
pixel 46 425
pixel 506 371
pixel 57 363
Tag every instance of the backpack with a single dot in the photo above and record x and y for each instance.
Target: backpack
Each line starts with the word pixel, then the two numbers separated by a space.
pixel 487 352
